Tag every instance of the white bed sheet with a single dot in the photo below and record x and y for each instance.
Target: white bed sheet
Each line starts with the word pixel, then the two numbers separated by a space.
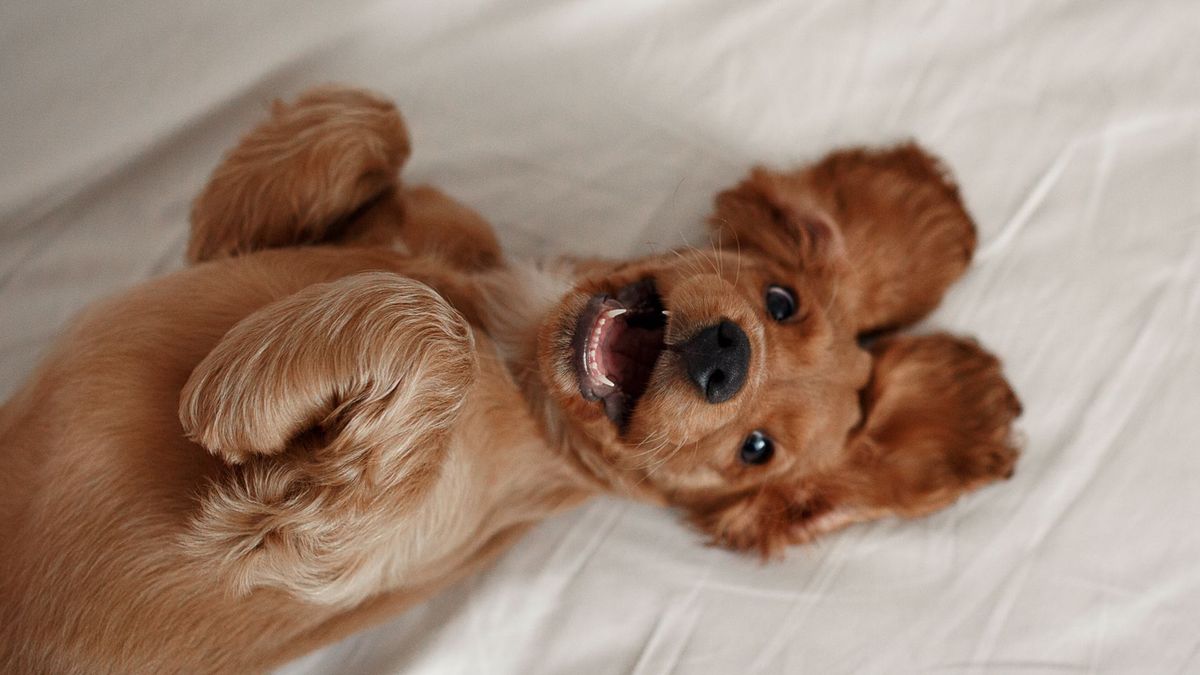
pixel 606 126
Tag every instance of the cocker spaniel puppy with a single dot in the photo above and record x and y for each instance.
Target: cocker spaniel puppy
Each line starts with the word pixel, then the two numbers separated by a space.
pixel 352 398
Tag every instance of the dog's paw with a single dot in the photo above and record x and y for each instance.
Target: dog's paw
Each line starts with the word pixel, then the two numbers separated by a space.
pixel 354 388
pixel 302 175
pixel 350 361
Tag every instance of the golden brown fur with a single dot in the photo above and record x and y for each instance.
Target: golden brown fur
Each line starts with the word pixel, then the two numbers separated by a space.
pixel 352 399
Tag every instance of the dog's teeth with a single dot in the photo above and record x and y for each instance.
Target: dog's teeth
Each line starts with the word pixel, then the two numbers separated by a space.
pixel 613 313
pixel 604 378
pixel 666 313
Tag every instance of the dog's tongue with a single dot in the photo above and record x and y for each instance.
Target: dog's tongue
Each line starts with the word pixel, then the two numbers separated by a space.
pixel 630 351
pixel 619 340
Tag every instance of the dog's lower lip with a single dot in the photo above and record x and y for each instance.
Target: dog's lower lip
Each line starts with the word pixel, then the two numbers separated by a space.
pixel 583 328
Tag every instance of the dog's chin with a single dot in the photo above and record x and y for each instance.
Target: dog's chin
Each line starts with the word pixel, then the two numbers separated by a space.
pixel 617 343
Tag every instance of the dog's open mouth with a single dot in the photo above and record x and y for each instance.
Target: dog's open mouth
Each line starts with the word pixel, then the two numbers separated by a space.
pixel 618 339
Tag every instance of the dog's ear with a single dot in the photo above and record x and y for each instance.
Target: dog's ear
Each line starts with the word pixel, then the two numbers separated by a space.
pixel 938 423
pixel 762 216
pixel 894 215
pixel 330 408
pixel 307 175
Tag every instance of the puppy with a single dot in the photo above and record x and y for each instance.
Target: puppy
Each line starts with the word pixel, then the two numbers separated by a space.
pixel 351 399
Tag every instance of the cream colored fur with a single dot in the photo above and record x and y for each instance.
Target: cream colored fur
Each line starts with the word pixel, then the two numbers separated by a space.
pixel 352 399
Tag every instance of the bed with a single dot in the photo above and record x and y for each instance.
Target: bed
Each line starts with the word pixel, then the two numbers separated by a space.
pixel 1074 128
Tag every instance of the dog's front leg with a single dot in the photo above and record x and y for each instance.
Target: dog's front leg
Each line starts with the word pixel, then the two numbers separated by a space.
pixel 324 169
pixel 439 227
pixel 332 409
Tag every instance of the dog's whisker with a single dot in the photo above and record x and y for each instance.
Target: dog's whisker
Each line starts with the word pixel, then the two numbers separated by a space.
pixel 666 458
pixel 689 264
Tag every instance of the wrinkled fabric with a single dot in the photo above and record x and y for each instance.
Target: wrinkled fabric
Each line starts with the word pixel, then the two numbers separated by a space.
pixel 605 128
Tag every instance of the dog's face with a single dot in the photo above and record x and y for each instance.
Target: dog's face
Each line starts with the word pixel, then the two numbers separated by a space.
pixel 711 376
pixel 730 383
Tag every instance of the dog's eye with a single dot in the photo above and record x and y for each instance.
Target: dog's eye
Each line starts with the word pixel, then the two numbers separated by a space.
pixel 781 302
pixel 757 448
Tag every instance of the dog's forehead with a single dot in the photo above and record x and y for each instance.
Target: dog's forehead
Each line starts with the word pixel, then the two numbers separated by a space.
pixel 788 409
pixel 802 398
pixel 749 272
pixel 802 443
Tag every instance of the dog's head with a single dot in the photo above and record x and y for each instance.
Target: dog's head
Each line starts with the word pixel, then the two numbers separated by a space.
pixel 730 382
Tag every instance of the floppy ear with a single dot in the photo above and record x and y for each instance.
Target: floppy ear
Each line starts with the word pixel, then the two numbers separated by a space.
pixel 330 408
pixel 903 229
pixel 307 175
pixel 759 215
pixel 938 423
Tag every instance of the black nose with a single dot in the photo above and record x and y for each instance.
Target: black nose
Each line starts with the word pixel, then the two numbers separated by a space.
pixel 717 359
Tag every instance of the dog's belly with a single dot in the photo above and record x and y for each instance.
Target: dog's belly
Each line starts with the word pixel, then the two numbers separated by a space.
pixel 101 482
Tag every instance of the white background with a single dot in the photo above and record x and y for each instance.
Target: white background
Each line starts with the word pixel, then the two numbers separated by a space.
pixel 605 127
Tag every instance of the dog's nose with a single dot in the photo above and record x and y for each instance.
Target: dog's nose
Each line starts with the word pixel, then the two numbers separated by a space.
pixel 717 359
